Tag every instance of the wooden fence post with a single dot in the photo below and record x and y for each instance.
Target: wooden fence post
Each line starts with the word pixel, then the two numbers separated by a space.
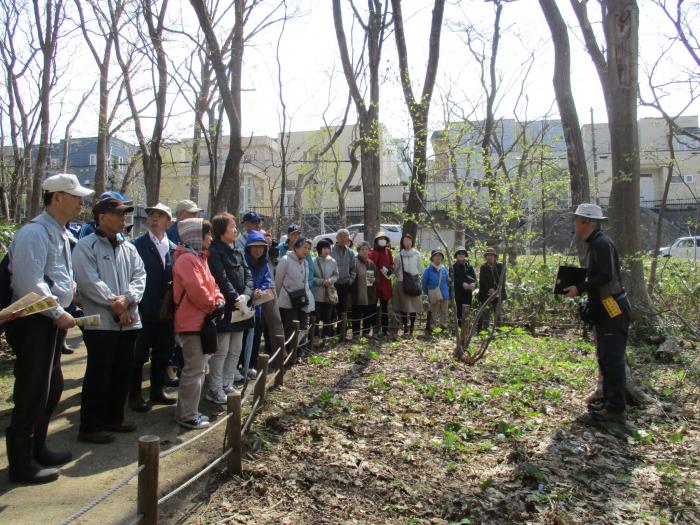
pixel 261 383
pixel 343 325
pixel 296 326
pixel 147 502
pixel 279 365
pixel 466 310
pixel 233 433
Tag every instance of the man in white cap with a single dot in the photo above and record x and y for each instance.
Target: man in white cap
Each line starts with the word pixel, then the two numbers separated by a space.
pixel 186 209
pixel 40 262
pixel 608 311
pixel 157 337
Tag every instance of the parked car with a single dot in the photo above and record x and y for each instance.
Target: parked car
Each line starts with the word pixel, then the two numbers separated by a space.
pixel 683 248
pixel 393 231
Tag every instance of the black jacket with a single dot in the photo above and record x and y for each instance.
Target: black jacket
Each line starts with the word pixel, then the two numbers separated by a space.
pixel 463 273
pixel 489 278
pixel 233 278
pixel 157 276
pixel 602 268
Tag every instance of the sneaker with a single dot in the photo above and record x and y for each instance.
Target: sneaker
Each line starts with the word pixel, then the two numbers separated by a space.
pixel 252 373
pixel 202 416
pixel 238 377
pixel 230 389
pixel 196 423
pixel 216 396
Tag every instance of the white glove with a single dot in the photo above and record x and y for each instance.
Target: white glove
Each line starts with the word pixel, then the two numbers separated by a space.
pixel 242 302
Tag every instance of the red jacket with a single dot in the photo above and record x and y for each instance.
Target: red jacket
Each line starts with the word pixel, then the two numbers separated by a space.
pixel 191 274
pixel 382 257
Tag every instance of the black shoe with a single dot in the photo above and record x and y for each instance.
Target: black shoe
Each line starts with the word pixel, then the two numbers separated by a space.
pixel 47 458
pixel 606 416
pixel 100 437
pixel 22 468
pixel 139 405
pixel 172 383
pixel 67 350
pixel 161 398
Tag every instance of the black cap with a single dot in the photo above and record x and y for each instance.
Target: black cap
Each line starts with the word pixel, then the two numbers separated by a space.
pixel 111 206
pixel 251 216
pixel 293 228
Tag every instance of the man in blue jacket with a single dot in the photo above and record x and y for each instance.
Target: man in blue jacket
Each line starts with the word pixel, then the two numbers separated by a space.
pixel 157 337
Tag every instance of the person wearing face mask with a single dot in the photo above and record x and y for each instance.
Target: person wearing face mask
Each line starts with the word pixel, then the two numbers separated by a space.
pixel 382 258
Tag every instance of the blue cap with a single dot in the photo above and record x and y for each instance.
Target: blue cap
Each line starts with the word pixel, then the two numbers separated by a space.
pixel 115 195
pixel 251 216
pixel 293 228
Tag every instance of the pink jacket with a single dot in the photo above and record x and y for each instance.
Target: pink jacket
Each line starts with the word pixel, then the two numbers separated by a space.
pixel 191 274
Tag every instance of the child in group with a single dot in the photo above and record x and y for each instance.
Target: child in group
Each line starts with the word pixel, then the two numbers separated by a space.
pixel 435 286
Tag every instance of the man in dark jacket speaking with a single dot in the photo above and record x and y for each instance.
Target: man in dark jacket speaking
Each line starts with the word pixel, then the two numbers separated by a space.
pixel 157 337
pixel 609 310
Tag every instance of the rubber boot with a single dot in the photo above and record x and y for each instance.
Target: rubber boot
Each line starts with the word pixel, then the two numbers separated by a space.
pixel 158 374
pixel 136 402
pixel 43 455
pixel 23 468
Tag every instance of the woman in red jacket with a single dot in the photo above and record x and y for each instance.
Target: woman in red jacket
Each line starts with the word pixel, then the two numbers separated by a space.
pixel 381 256
pixel 196 295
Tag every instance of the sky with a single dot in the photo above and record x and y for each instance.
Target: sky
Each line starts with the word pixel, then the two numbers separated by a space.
pixel 313 82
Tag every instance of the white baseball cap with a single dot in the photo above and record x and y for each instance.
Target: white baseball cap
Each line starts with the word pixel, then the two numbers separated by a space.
pixel 67 183
pixel 162 208
pixel 188 206
pixel 590 211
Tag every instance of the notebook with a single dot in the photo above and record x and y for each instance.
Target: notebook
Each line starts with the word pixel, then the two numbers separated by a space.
pixel 569 276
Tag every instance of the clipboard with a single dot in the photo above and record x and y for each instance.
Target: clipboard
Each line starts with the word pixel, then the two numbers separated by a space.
pixel 569 276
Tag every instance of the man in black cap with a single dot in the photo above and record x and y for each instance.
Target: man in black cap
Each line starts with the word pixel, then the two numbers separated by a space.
pixel 608 311
pixel 293 233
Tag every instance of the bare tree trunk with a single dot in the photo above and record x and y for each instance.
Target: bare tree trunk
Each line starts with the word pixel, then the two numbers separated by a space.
pixel 618 73
pixel 575 152
pixel 48 42
pixel 662 209
pixel 200 110
pixel 69 126
pixel 418 109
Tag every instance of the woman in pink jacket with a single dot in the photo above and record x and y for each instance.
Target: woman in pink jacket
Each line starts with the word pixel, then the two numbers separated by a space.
pixel 196 295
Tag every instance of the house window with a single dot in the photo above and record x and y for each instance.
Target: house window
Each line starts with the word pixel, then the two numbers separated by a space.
pixel 689 179
pixel 93 159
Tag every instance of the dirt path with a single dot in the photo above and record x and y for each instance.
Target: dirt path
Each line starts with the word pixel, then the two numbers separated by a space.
pixel 95 468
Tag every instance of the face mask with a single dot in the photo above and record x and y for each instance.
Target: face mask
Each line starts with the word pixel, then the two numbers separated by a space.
pixel 381 243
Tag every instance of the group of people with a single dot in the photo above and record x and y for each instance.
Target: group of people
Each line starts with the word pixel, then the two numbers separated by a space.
pixel 196 293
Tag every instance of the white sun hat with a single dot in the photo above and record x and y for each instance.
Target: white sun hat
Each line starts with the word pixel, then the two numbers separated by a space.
pixel 590 211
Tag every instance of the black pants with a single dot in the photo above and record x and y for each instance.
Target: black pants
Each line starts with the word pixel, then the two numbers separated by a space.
pixel 324 313
pixel 611 342
pixel 157 339
pixel 38 376
pixel 110 355
pixel 293 314
pixel 364 317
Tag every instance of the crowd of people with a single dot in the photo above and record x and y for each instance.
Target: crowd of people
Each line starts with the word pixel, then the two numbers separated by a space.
pixel 198 296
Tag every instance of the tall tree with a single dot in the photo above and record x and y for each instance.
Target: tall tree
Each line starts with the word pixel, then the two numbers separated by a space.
pixel 617 70
pixel 575 153
pixel 106 20
pixel 418 109
pixel 47 25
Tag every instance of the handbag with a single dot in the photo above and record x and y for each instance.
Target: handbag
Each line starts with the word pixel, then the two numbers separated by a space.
pixel 330 294
pixel 411 282
pixel 298 298
pixel 209 332
pixel 434 294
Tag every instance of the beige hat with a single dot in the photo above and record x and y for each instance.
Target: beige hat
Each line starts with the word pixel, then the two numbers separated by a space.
pixel 67 183
pixel 490 251
pixel 162 208
pixel 188 206
pixel 590 211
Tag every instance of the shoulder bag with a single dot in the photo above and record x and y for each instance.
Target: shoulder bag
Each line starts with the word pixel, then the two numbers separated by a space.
pixel 434 294
pixel 411 282
pixel 298 298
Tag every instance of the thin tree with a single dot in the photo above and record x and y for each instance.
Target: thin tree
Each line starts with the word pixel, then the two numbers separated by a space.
pixel 367 108
pixel 418 109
